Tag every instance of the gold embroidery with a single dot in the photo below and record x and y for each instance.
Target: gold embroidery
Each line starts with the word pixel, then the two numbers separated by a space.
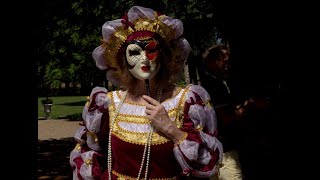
pixel 135 119
pixel 87 101
pixel 93 135
pixel 199 128
pixel 88 161
pixel 112 107
pixel 208 103
pixel 133 115
pixel 132 103
pixel 124 177
pixel 180 109
pixel 77 147
pixel 136 137
pixel 118 94
pixel 140 138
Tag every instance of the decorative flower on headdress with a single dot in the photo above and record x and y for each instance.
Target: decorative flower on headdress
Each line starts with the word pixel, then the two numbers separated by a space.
pixel 139 23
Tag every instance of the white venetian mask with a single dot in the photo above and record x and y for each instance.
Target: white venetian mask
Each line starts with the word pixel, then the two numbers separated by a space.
pixel 142 57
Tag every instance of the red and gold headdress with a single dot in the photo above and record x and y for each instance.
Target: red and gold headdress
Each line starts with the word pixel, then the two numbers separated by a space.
pixel 139 23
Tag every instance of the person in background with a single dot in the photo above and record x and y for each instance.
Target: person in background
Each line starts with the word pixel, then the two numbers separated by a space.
pixel 236 115
pixel 215 79
pixel 150 128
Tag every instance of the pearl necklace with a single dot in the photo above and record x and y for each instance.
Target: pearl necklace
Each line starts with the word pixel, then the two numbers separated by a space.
pixel 147 146
pixel 109 138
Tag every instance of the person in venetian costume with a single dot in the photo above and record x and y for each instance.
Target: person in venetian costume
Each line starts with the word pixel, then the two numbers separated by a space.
pixel 150 128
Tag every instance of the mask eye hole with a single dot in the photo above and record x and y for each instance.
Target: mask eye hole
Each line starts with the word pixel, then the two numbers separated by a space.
pixel 133 52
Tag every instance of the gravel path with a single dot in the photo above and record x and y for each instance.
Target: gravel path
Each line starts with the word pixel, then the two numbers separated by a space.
pixel 55 142
pixel 56 128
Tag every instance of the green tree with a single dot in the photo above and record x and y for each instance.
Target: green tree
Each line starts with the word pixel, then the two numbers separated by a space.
pixel 70 30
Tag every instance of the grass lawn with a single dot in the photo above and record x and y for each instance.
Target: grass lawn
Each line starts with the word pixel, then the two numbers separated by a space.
pixel 63 107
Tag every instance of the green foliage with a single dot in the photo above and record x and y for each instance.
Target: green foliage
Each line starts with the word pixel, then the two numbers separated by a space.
pixel 70 30
pixel 70 42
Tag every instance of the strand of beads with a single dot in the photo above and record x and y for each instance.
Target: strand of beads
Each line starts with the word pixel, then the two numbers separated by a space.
pixel 109 140
pixel 148 155
pixel 147 148
pixel 148 145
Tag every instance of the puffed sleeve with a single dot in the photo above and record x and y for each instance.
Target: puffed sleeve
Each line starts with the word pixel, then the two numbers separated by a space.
pixel 91 137
pixel 200 152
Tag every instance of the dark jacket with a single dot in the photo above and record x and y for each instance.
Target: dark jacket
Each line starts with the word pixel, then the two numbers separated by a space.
pixel 224 102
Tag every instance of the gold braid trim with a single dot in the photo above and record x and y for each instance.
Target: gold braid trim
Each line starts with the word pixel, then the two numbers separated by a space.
pixel 88 161
pixel 93 135
pixel 77 147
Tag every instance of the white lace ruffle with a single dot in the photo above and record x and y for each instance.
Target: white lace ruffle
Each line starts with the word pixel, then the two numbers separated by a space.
pixel 79 133
pixel 189 149
pixel 198 115
pixel 211 122
pixel 201 116
pixel 102 100
pixel 93 119
pixel 212 142
pixel 97 89
pixel 138 128
pixel 139 110
pixel 86 167
pixel 75 174
pixel 204 158
pixel 200 91
pixel 76 152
